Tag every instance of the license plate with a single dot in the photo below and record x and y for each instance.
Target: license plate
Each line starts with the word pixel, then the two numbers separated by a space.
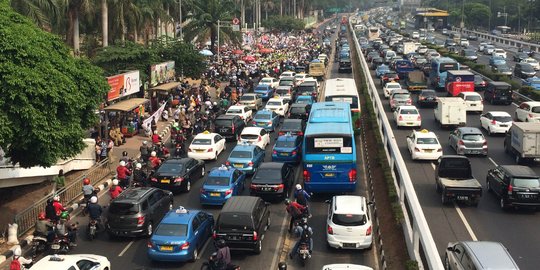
pixel 234 237
pixel 223 130
pixel 409 123
pixel 503 98
pixel 200 150
pixel 165 181
pixel 463 198
pixel 349 245
pixel 329 174
pixel 428 150
pixel 266 189
pixel 55 246
pixel 527 196
pixel 260 124
pixel 473 104
pixel 283 154
pixel 239 165
pixel 215 194
pixel 503 125
pixel 166 248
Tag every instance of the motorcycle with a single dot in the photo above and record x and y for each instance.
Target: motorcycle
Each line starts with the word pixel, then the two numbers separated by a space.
pixel 39 245
pixel 92 229
pixel 60 244
pixel 303 253
pixel 212 264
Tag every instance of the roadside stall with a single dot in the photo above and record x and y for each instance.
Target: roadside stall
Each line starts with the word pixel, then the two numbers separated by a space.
pixel 162 92
pixel 126 115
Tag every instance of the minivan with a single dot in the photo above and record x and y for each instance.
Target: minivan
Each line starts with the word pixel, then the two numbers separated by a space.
pixel 514 185
pixel 524 70
pixel 478 255
pixel 229 126
pixel 242 223
pixel 498 92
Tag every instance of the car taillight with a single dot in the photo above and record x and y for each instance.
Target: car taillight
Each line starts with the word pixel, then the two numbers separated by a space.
pixel 260 138
pixel 270 122
pixel 531 115
pixel 189 150
pixel 184 246
pixel 228 192
pixel 214 235
pixel 368 231
pixel 178 179
pixel 307 176
pixel 149 244
pixel 250 163
pixel 255 236
pixel 419 118
pixel 484 145
pixel 154 179
pixel 274 152
pixel 253 122
pixel 416 149
pixel 493 122
pixel 232 128
pixel 294 153
pixel 253 186
pixel 281 133
pixel 352 175
pixel 329 230
pixel 460 142
pixel 409 102
pixel 400 118
pixel 210 150
pixel 300 133
pixel 510 189
pixel 279 187
pixel 228 163
pixel 140 220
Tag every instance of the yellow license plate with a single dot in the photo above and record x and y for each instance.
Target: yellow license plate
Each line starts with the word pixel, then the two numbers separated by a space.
pixel 239 165
pixel 329 174
pixel 166 248
pixel 165 181
pixel 200 150
pixel 215 194
pixel 428 150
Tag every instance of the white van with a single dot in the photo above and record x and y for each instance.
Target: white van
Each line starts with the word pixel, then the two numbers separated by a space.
pixel 389 55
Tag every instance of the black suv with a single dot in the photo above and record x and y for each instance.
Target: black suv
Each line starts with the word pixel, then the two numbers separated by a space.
pixel 273 180
pixel 345 66
pixel 514 185
pixel 299 111
pixel 498 92
pixel 293 126
pixel 137 210
pixel 242 223
pixel 229 126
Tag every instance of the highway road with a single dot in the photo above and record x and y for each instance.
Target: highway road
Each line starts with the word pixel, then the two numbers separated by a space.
pixel 516 229
pixel 131 253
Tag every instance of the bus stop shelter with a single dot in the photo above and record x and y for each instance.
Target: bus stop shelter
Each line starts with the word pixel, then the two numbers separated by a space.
pixel 126 115
pixel 423 16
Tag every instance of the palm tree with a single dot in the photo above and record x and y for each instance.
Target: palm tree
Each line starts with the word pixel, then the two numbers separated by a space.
pixel 204 22
pixel 76 9
pixel 105 22
pixel 38 11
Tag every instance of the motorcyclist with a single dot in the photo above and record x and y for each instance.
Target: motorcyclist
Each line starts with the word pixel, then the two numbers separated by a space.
pixel 139 176
pixel 123 173
pixel 44 227
pixel 163 151
pixel 50 211
pixel 154 160
pixel 58 207
pixel 179 150
pixel 155 137
pixel 302 197
pixel 125 157
pixel 115 189
pixel 95 210
pixel 87 189
pixel 145 152
pixel 296 211
pixel 19 261
pixel 64 227
pixel 304 231
pixel 223 258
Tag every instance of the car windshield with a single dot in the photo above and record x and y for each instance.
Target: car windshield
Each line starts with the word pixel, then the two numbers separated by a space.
pixel 165 229
pixel 262 116
pixel 427 141
pixel 247 97
pixel 527 67
pixel 266 80
pixel 349 219
pixel 285 144
pixel 526 182
pixel 201 141
pixel 274 103
pixel 269 176
pixel 503 118
pixel 473 137
pixel 240 154
pixel 217 181
pixel 234 111
pixel 171 167
pixel 119 208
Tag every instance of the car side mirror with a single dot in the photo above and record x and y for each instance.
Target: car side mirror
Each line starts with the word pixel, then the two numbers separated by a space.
pixel 450 248
pixel 371 203
pixel 327 201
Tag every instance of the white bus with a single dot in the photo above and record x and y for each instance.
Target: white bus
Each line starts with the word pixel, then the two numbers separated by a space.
pixel 344 90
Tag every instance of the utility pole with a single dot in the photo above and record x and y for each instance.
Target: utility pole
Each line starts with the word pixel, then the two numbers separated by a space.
pixel 462 24
pixel 218 50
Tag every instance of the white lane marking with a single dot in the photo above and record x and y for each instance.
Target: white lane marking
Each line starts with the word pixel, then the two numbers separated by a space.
pixel 467 226
pixel 126 248
pixel 433 165
pixel 204 247
pixel 492 161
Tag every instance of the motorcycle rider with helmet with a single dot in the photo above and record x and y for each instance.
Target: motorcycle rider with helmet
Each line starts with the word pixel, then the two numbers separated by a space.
pixel 123 173
pixel 95 210
pixel 87 189
pixel 304 231
pixel 139 176
pixel 19 261
pixel 58 207
pixel 223 258
pixel 44 227
pixel 154 160
pixel 296 210
pixel 64 227
pixel 115 189
pixel 50 211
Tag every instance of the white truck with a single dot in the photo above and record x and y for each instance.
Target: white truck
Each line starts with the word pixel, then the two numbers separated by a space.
pixel 451 111
pixel 523 141
pixel 409 47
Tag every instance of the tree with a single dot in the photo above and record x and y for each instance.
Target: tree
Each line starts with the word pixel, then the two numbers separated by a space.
pixel 188 61
pixel 476 14
pixel 129 56
pixel 284 24
pixel 38 11
pixel 204 22
pixel 47 98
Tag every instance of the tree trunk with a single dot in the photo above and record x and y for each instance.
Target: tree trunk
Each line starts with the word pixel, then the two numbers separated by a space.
pixel 281 8
pixel 302 9
pixel 76 41
pixel 136 35
pixel 213 37
pixel 122 25
pixel 105 22
pixel 242 13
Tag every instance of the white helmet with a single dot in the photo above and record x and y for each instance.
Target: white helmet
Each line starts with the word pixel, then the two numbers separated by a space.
pixel 93 199
pixel 298 187
pixel 144 142
pixel 115 182
pixel 138 166
pixel 17 251
pixel 153 153
pixel 56 198
pixel 122 163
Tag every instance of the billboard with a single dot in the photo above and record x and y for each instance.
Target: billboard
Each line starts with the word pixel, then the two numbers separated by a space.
pixel 162 72
pixel 123 85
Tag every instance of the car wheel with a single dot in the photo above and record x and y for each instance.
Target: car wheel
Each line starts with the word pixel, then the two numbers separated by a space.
pixel 489 131
pixel 149 229
pixel 258 247
pixel 215 156
pixel 188 186
pixel 195 255
pixel 444 199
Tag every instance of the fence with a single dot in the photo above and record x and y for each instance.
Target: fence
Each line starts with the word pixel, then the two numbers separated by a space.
pixel 501 40
pixel 420 244
pixel 27 218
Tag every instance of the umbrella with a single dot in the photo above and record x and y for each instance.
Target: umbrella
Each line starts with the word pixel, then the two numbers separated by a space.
pixel 266 50
pixel 238 52
pixel 206 52
pixel 248 58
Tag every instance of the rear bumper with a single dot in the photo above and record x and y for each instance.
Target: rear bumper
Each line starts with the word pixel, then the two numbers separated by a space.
pixel 181 256
pixel 125 232
pixel 206 199
pixel 352 243
pixel 323 187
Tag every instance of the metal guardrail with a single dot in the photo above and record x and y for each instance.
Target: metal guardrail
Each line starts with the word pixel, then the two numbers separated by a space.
pixel 420 244
pixel 502 40
pixel 26 219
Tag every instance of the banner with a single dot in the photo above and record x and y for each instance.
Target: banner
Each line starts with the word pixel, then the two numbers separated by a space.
pixel 156 114
pixel 162 72
pixel 123 85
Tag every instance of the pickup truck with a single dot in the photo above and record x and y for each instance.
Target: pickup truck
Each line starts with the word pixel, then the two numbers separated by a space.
pixel 455 182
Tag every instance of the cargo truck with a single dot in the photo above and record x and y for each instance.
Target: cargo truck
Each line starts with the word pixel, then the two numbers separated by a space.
pixel 450 112
pixel 415 81
pixel 523 141
pixel 408 47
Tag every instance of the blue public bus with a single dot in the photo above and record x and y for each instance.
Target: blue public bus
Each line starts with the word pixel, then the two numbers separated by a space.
pixel 329 151
pixel 439 66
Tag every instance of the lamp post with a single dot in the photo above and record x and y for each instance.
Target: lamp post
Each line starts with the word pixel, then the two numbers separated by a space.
pixel 462 24
pixel 180 34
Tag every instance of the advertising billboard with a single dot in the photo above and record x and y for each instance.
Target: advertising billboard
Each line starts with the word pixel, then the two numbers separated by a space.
pixel 162 72
pixel 123 85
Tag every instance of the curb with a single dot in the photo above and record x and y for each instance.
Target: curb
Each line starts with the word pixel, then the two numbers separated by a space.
pixel 71 209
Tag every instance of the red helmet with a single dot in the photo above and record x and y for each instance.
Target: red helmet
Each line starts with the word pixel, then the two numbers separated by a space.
pixel 86 181
pixel 41 216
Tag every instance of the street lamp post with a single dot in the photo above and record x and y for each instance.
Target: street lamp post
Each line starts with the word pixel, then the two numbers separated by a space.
pixel 462 24
pixel 180 34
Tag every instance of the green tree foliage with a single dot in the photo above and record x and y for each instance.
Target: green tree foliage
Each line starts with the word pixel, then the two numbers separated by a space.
pixel 188 61
pixel 285 23
pixel 130 56
pixel 476 14
pixel 47 97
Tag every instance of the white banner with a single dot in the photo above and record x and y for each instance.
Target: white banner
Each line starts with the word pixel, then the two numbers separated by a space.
pixel 156 114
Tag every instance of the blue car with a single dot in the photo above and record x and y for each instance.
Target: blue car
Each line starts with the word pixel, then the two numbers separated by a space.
pixel 287 149
pixel 304 99
pixel 381 70
pixel 180 235
pixel 221 184
pixel 497 60
pixel 264 91
pixel 266 119
pixel 246 157
pixel 533 82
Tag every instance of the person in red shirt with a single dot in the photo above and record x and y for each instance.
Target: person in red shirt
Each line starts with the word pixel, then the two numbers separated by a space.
pixel 154 160
pixel 58 207
pixel 115 189
pixel 123 173
pixel 295 210
pixel 155 138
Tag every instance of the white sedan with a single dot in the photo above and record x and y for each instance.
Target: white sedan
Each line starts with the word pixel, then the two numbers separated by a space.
pixel 273 82
pixel 496 122
pixel 533 62
pixel 390 87
pixel 407 116
pixel 73 262
pixel 424 145
pixel 206 146
pixel 255 135
pixel 278 105
pixel 287 74
pixel 244 112
pixel 300 77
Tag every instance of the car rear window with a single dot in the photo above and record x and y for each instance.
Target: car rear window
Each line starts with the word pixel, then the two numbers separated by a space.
pixel 262 116
pixel 473 137
pixel 233 221
pixel 349 219
pixel 290 125
pixel 223 122
pixel 270 176
pixel 408 111
pixel 247 98
pixel 526 182
pixel 535 109
pixel 234 111
pixel 282 92
pixel 426 141
pixel 473 98
pixel 249 136
pixel 502 118
pixel 297 109
pixel 217 181
pixel 285 144
pixel 171 167
pixel 120 208
pixel 240 154
pixel 273 103
pixel 165 229
pixel 201 141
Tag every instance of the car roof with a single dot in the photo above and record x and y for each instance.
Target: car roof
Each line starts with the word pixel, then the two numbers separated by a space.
pixel 264 111
pixel 469 130
pixel 244 147
pixel 428 91
pixel 240 204
pixel 237 107
pixel 349 204
pixel 276 99
pixel 470 93
pixel 519 171
pixel 252 130
pixel 303 105
pixel 250 94
pixel 424 133
pixel 226 117
pixel 67 260
pixel 410 107
pixel 532 103
pixel 222 171
pixel 176 160
pixel 176 216
pixel 134 194
pixel 491 255
pixel 499 113
pixel 205 135
pixel 263 86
